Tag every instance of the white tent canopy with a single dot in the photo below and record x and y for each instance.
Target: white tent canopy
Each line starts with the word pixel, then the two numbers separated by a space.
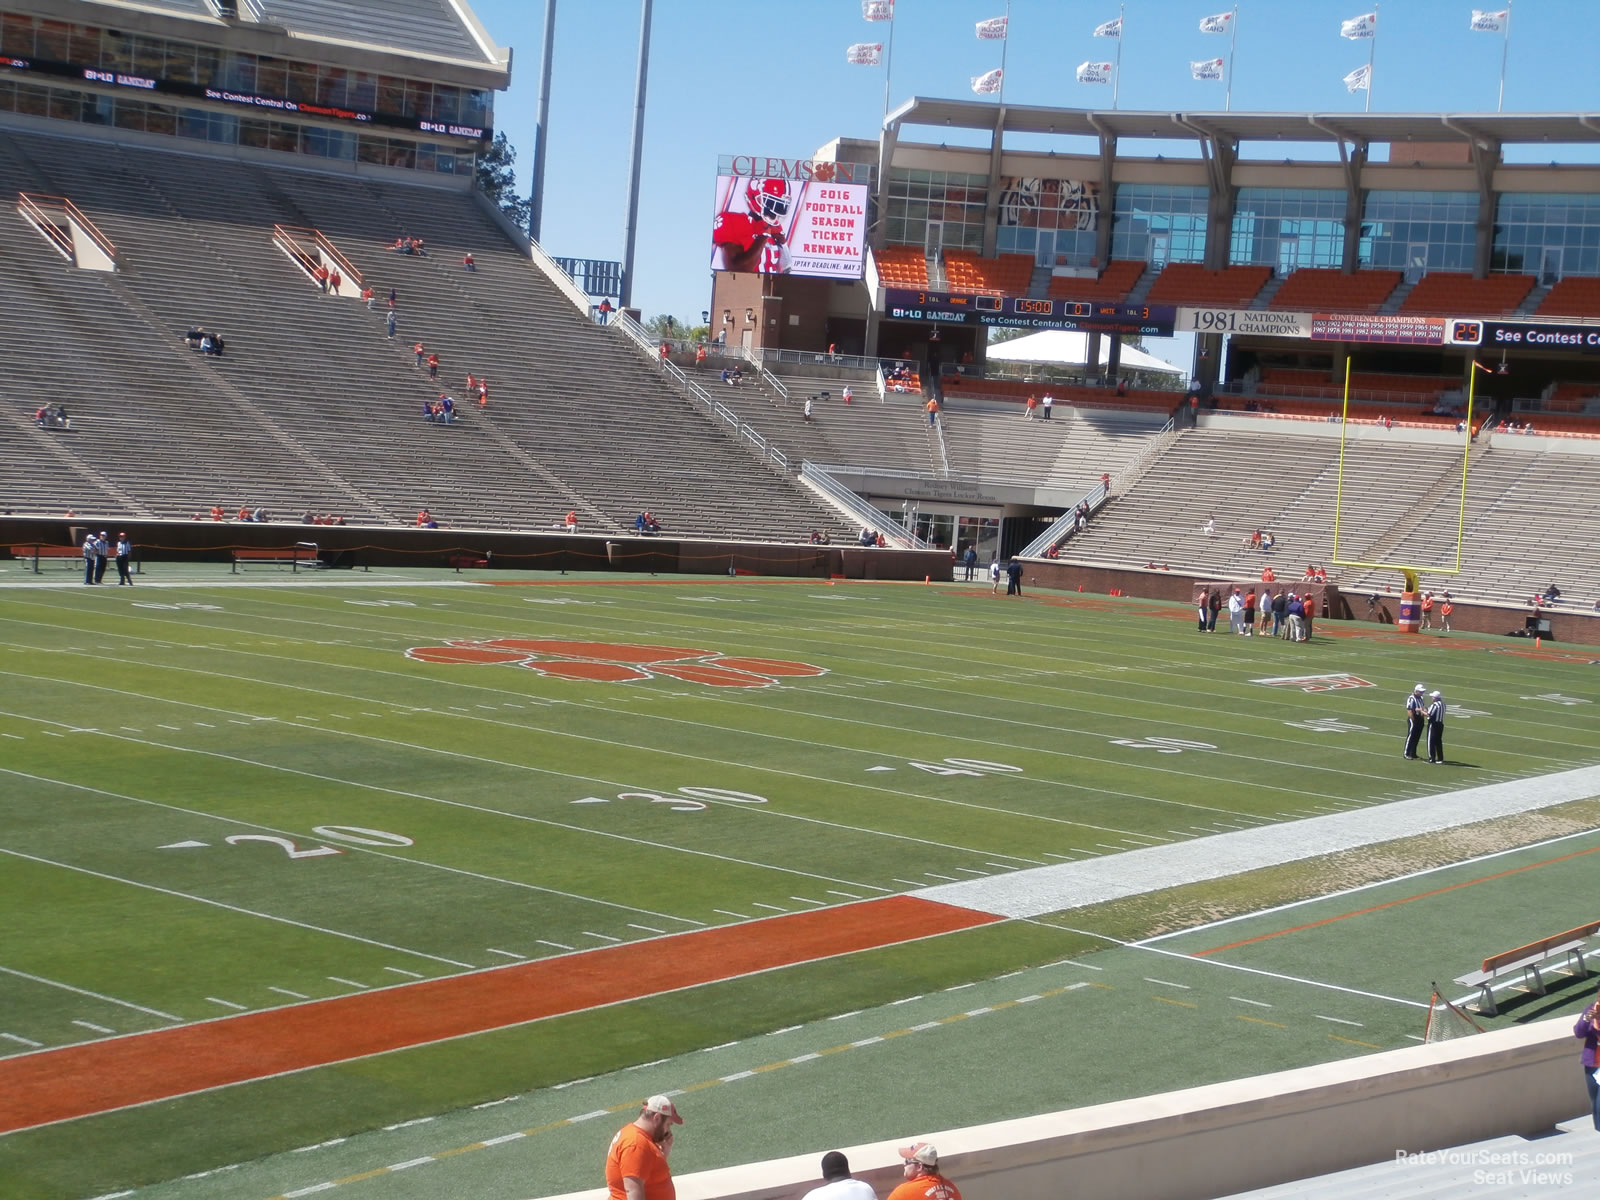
pixel 1072 350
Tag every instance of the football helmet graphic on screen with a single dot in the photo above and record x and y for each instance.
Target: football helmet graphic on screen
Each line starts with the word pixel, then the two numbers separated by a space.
pixel 768 198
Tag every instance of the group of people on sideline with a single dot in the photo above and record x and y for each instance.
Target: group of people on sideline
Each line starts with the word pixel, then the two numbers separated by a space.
pixel 97 550
pixel 1282 614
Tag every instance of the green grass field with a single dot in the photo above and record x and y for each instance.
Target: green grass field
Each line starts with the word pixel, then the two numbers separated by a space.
pixel 220 798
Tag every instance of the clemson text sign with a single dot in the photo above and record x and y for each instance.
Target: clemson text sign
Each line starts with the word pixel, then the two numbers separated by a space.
pixel 776 226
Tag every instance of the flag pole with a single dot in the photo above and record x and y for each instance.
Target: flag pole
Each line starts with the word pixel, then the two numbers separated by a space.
pixel 1005 44
pixel 1505 46
pixel 1233 44
pixel 888 66
pixel 1372 55
pixel 1122 28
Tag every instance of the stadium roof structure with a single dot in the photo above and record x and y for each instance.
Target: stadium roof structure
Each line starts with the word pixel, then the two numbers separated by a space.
pixel 445 31
pixel 1487 129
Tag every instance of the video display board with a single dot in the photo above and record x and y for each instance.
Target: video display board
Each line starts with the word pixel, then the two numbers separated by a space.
pixel 774 225
pixel 1023 312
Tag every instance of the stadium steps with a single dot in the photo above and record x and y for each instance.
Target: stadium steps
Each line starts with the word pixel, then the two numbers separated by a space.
pixel 1398 297
pixel 1264 297
pixel 1039 283
pixel 1431 520
pixel 1531 302
pixel 1141 290
pixel 997 444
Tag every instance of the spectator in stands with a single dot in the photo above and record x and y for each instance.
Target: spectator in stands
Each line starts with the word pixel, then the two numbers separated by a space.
pixel 826 539
pixel 847 395
pixel 882 543
pixel 922 1178
pixel 1268 541
pixel 1122 386
pixel 366 296
pixel 1105 482
pixel 838 1183
pixel 399 246
pixel 737 378
pixel 636 1164
pixel 448 405
pixel 468 262
pixel 391 324
pixel 394 298
pixel 833 352
pixel 433 366
pixel 1268 576
pixel 335 282
pixel 816 538
pixel 1046 405
pixel 867 537
pixel 1029 406
pixel 572 521
pixel 423 517
pixel 933 411
pixel 664 352
pixel 638 523
pixel 192 338
pixel 420 248
pixel 700 356
pixel 1210 527
pixel 427 410
pixel 727 376
pixel 208 343
pixel 321 277
pixel 603 310
pixel 1587 1027
pixel 1552 594
pixel 483 392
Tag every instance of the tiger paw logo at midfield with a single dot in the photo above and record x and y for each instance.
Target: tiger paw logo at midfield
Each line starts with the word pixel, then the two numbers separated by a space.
pixel 614 662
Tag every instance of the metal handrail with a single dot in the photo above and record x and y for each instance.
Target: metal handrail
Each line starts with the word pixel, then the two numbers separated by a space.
pixel 293 234
pixel 566 283
pixel 766 376
pixel 30 203
pixel 868 514
pixel 1063 524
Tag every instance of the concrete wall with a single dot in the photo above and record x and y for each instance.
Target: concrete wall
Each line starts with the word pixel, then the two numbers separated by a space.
pixel 1227 1137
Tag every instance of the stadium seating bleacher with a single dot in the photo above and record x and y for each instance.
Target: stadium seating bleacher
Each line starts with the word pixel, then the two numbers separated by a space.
pixel 1004 275
pixel 1113 285
pixel 1319 289
pixel 1190 283
pixel 903 266
pixel 1455 293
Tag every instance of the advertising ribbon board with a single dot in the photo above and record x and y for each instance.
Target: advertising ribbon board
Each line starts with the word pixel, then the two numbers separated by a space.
pixel 1024 312
pixel 1529 335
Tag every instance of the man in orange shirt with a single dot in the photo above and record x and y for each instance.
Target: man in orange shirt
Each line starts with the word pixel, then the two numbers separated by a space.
pixel 923 1181
pixel 636 1164
pixel 933 412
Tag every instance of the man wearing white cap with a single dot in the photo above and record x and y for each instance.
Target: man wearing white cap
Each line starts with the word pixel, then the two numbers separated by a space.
pixel 1415 707
pixel 923 1181
pixel 636 1164
pixel 1436 728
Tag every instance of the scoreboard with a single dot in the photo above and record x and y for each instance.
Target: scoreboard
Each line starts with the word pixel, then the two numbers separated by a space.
pixel 1022 312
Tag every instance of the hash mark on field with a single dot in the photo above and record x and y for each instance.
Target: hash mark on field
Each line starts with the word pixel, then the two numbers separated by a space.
pixel 297 717
pixel 407 1124
pixel 130 729
pixel 808 900
pixel 367 714
pixel 972 871
pixel 396 970
pixel 16 737
pixel 305 1191
pixel 52 733
pixel 93 1026
pixel 231 721
pixel 1169 983
pixel 854 1012
pixel 773 907
pixel 936 875
pixel 12 1037
pixel 347 982
pixel 229 1004
pixel 846 895
pixel 457 708
pixel 490 707
pixel 907 1000
pixel 494 1103
pixel 605 937
pixel 1257 1003
pixel 646 928
pixel 1338 1021
pixel 506 953
pixel 339 716
pixel 907 882
pixel 556 945
pixel 205 725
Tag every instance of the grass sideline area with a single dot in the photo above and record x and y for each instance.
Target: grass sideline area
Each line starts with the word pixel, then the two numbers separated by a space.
pixel 226 799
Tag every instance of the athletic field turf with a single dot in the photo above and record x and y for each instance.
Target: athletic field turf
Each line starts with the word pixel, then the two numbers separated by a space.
pixel 374 863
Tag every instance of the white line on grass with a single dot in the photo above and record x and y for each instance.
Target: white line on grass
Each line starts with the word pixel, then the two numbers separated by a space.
pixel 67 987
pixel 1338 1021
pixel 1168 983
pixel 1257 1003
pixel 349 982
pixel 248 912
pixel 93 1026
pixel 229 1004
pixel 605 937
pixel 556 945
pixel 396 970
pixel 506 953
pixel 12 1037
pixel 646 928
pixel 298 995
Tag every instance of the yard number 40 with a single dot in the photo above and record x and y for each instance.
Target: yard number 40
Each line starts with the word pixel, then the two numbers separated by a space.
pixel 965 766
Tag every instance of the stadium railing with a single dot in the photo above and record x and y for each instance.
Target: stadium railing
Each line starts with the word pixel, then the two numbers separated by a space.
pixel 767 377
pixel 856 362
pixel 36 209
pixel 1063 525
pixel 293 238
pixel 820 477
pixel 635 333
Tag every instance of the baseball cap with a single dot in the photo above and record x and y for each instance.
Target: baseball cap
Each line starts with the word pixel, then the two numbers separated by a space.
pixel 1433 695
pixel 1419 688
pixel 920 1152
pixel 662 1106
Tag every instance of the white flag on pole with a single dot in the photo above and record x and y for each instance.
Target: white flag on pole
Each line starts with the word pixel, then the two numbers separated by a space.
pixel 1208 68
pixel 1093 72
pixel 864 54
pixel 1356 28
pixel 993 29
pixel 1490 22
pixel 877 10
pixel 1109 29
pixel 1221 23
pixel 988 82
pixel 1359 80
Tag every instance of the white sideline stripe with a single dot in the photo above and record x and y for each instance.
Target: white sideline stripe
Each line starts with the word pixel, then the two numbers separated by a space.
pixel 215 904
pixel 1037 891
pixel 229 1004
pixel 12 1037
pixel 407 1124
pixel 67 987
pixel 93 1026
pixel 114 1195
pixel 294 1195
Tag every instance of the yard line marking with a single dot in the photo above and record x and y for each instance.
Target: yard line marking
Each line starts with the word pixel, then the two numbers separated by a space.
pixel 231 721
pixel 93 1026
pixel 1260 1021
pixel 926 1025
pixel 1168 983
pixel 973 871
pixel 348 982
pixel 1338 1020
pixel 1029 999
pixel 354 937
pixel 605 937
pixel 129 729
pixel 506 953
pixel 114 1195
pixel 646 928
pixel 204 725
pixel 229 1004
pixel 735 1077
pixel 296 995
pixel 295 1195
pixel 936 875
pixel 17 737
pixel 502 1139
pixel 1001 866
pixel 495 1103
pixel 773 907
pixel 1257 1003
pixel 67 987
pixel 846 895
pixel 372 714
pixel 802 1058
pixel 396 970
pixel 907 1000
pixel 339 716
pixel 806 900
pixel 867 1041
pixel 12 1037
pixel 297 717
pixel 407 1124
pixel 855 1012
pixel 972 1012
pixel 415 1162
pixel 52 733
pixel 557 945
pixel 907 882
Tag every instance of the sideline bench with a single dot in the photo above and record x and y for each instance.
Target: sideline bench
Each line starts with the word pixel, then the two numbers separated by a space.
pixel 69 556
pixel 1529 958
pixel 284 556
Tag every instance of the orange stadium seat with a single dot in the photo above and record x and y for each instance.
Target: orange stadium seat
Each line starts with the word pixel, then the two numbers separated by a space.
pixel 1114 284
pixel 1190 283
pixel 903 266
pixel 1318 289
pixel 1457 294
pixel 1574 296
pixel 1005 274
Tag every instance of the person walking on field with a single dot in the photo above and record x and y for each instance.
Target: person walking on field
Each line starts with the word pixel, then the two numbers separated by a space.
pixel 923 1179
pixel 1416 710
pixel 1436 728
pixel 1202 608
pixel 636 1163
pixel 838 1183
pixel 994 578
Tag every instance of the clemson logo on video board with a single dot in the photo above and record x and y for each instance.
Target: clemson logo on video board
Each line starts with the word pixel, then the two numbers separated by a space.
pixel 615 662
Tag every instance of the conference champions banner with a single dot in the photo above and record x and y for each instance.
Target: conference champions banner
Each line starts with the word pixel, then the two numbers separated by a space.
pixel 777 226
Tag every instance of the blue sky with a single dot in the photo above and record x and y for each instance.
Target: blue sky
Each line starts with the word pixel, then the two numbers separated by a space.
pixel 770 79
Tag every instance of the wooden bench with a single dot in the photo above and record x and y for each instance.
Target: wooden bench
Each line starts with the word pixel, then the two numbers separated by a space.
pixel 68 556
pixel 284 556
pixel 1528 959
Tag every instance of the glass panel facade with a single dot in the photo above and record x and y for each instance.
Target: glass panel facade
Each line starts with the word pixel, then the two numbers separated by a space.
pixel 953 199
pixel 1287 228
pixel 1545 235
pixel 1159 223
pixel 1399 228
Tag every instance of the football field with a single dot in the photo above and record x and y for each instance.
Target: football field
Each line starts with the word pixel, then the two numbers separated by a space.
pixel 322 862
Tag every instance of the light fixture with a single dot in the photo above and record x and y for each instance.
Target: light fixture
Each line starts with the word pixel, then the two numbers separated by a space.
pixel 749 316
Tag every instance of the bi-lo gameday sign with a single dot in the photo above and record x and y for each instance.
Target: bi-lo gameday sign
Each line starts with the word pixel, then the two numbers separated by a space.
pixel 1524 335
pixel 1024 312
